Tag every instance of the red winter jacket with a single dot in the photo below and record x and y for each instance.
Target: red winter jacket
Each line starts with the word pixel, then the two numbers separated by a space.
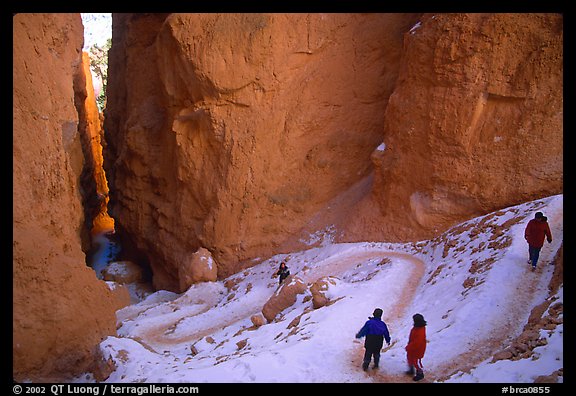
pixel 416 343
pixel 536 231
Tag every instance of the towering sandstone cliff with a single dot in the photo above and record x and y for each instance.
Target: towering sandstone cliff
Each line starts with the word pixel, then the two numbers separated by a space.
pixel 244 133
pixel 60 310
pixel 230 132
pixel 475 124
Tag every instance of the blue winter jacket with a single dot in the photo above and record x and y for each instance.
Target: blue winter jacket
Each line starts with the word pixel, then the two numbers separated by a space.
pixel 375 331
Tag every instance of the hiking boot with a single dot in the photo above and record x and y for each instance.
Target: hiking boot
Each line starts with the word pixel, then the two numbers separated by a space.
pixel 419 375
pixel 375 366
pixel 410 371
pixel 365 366
pixel 533 268
pixel 529 262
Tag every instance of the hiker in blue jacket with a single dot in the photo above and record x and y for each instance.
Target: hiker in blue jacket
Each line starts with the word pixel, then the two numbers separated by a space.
pixel 375 331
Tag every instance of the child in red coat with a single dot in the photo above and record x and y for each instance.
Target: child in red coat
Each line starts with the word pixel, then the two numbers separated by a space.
pixel 416 347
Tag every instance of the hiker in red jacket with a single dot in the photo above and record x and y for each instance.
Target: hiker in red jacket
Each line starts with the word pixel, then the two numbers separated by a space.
pixel 536 230
pixel 416 347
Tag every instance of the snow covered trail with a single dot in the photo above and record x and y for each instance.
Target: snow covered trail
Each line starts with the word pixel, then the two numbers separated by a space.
pixel 509 291
pixel 472 284
pixel 160 335
pixel 339 264
pixel 157 334
pixel 393 315
pixel 516 288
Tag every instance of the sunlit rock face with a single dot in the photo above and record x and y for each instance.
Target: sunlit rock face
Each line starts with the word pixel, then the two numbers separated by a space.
pixel 61 311
pixel 230 131
pixel 475 124
pixel 93 179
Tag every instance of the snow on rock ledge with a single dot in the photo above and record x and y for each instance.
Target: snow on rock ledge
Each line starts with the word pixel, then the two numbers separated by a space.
pixel 200 267
pixel 284 297
pixel 319 289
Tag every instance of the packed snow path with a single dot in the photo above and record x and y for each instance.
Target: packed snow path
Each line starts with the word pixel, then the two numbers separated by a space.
pixel 159 335
pixel 523 289
pixel 472 283
pixel 338 265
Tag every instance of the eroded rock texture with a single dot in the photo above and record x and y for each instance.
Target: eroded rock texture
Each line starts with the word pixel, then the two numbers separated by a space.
pixel 475 124
pixel 60 310
pixel 244 133
pixel 231 131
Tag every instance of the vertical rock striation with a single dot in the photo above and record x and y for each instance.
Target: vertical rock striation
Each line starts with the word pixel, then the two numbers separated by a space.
pixel 60 310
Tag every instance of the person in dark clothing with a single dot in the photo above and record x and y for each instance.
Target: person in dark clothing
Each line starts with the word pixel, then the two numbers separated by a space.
pixel 375 331
pixel 283 272
pixel 535 232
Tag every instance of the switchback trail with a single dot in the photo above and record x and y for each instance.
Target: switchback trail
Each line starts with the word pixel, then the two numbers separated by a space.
pixel 394 314
pixel 159 335
pixel 525 289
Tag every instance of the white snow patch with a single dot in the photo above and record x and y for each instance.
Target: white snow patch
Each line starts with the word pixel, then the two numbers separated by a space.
pixel 415 27
pixel 474 283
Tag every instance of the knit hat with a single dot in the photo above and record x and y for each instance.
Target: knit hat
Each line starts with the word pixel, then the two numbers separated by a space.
pixel 419 320
pixel 538 215
pixel 377 313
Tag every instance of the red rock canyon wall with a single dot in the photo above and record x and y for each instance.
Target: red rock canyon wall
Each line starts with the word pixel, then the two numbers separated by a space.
pixel 245 133
pixel 232 137
pixel 60 310
pixel 475 124
pixel 230 131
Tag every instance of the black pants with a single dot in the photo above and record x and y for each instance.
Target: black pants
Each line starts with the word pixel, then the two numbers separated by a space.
pixel 368 356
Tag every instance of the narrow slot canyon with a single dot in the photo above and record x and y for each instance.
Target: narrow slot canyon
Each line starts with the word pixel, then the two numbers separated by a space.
pixel 73 266
pixel 102 242
pixel 224 140
pixel 93 178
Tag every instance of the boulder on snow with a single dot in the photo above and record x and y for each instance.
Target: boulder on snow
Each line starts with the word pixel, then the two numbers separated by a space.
pixel 198 267
pixel 319 289
pixel 284 297
pixel 258 320
pixel 241 344
pixel 123 272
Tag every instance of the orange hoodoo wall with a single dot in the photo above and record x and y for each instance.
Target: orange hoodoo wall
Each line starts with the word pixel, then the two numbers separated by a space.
pixel 61 311
pixel 246 133
pixel 91 127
